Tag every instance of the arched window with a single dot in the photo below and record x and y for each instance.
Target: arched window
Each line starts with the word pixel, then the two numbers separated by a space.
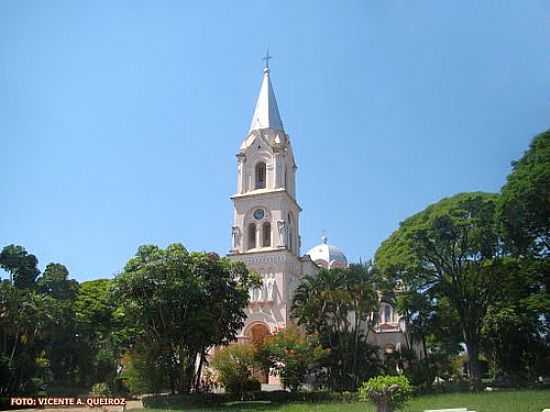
pixel 251 235
pixel 266 234
pixel 260 176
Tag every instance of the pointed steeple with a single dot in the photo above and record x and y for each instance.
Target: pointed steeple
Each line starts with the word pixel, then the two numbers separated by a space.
pixel 266 115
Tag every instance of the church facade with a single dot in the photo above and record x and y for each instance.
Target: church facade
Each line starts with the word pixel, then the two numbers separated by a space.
pixel 266 229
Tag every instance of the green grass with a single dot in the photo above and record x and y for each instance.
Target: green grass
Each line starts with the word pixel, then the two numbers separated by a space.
pixel 509 401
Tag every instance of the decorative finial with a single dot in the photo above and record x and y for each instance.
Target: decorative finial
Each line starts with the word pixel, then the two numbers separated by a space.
pixel 324 237
pixel 266 58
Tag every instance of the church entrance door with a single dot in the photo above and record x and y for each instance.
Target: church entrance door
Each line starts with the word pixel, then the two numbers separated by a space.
pixel 257 335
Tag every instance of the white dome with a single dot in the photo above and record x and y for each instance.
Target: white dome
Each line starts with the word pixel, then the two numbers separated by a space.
pixel 327 256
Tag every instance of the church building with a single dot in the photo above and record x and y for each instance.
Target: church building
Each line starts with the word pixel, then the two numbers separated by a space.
pixel 266 227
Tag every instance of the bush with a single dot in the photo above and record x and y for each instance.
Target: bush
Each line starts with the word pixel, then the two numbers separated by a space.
pixel 237 386
pixel 234 364
pixel 100 389
pixel 142 373
pixel 253 385
pixel 387 392
pixel 292 354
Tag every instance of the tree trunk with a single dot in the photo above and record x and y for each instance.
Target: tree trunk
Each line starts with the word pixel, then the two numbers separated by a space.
pixel 473 365
pixel 383 406
pixel 199 373
pixel 14 347
pixel 427 361
pixel 355 355
pixel 425 350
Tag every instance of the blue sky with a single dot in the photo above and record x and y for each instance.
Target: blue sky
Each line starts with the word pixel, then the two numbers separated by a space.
pixel 119 120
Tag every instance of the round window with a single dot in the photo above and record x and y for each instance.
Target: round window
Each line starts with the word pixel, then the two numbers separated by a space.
pixel 259 214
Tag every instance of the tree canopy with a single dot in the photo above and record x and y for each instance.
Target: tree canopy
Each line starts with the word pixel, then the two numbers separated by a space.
pixel 337 305
pixel 21 266
pixel 450 250
pixel 292 355
pixel 183 303
pixel 524 206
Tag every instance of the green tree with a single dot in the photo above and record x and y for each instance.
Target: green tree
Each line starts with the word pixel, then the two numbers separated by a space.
pixel 524 206
pixel 98 333
pixel 60 344
pixel 21 266
pixel 431 325
pixel 514 330
pixel 25 320
pixel 337 305
pixel 524 214
pixel 183 303
pixel 55 282
pixel 451 250
pixel 143 371
pixel 292 354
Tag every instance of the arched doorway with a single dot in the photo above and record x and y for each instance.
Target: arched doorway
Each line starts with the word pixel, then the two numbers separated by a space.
pixel 257 334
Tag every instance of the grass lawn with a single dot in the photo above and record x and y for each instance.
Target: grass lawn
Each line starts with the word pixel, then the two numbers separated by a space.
pixel 513 401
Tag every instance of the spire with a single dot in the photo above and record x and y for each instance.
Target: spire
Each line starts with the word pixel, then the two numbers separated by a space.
pixel 266 115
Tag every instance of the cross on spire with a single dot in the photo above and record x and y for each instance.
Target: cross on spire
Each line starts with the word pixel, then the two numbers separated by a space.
pixel 267 58
pixel 266 115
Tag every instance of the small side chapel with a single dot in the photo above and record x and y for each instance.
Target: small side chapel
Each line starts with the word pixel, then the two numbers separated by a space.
pixel 266 229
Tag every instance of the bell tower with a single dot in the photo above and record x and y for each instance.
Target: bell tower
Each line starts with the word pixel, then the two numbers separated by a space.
pixel 266 213
pixel 266 218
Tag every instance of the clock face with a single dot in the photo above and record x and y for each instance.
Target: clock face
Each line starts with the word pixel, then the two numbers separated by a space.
pixel 259 214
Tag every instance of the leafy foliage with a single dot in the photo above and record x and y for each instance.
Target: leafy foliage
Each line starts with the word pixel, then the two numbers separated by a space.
pixel 26 317
pixel 524 207
pixel 450 251
pixel 514 330
pixel 336 305
pixel 234 365
pixel 100 389
pixel 182 304
pixel 292 354
pixel 21 266
pixel 142 373
pixel 61 345
pixel 27 321
pixel 387 392
pixel 99 335
pixel 524 214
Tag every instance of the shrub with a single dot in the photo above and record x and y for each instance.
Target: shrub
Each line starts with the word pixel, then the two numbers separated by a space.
pixel 387 392
pixel 142 372
pixel 292 354
pixel 234 366
pixel 251 385
pixel 100 389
